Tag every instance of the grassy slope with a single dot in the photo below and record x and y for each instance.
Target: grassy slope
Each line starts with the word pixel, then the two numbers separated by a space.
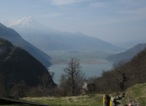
pixel 137 92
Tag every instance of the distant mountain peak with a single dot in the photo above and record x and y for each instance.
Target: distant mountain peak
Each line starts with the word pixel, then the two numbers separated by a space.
pixel 47 38
pixel 29 24
pixel 23 22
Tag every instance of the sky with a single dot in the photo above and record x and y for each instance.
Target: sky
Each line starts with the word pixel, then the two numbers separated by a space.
pixel 115 21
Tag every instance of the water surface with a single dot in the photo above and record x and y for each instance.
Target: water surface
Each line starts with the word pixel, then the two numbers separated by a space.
pixel 90 70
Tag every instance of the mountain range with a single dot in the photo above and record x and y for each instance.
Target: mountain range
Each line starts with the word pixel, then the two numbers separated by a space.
pixel 48 39
pixel 17 40
pixel 127 55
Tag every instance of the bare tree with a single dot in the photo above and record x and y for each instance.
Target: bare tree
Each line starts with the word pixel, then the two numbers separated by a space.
pixel 72 79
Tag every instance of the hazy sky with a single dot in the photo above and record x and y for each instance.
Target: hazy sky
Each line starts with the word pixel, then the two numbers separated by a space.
pixel 110 20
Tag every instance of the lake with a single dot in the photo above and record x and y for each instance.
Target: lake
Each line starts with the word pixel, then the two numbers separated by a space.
pixel 90 70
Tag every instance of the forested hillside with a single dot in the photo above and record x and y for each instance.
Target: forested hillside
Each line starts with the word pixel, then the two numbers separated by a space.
pixel 20 73
pixel 123 76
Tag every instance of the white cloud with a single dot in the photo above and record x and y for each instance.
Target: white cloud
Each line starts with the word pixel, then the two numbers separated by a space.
pixel 64 2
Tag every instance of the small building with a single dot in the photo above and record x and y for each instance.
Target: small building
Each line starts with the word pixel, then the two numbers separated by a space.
pixel 87 88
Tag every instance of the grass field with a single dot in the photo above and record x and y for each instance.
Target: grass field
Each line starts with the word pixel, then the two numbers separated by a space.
pixel 90 100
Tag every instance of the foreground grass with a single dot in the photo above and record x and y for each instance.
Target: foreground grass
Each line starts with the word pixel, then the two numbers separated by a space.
pixel 90 100
pixel 136 92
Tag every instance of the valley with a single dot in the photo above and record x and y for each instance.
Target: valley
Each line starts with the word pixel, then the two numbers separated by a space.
pixel 92 64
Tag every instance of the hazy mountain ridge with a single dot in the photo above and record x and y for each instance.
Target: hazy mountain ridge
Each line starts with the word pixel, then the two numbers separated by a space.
pixel 127 55
pixel 48 39
pixel 16 39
